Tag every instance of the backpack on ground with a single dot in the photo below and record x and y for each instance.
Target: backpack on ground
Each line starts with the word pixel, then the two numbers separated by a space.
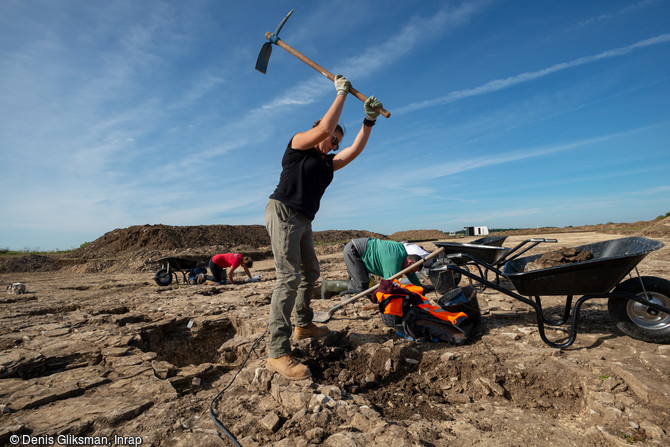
pixel 404 308
pixel 196 275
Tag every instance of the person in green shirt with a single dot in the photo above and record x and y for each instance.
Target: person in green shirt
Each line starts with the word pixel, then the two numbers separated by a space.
pixel 365 256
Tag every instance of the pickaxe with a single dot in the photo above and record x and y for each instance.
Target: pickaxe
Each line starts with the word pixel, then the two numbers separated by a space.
pixel 266 50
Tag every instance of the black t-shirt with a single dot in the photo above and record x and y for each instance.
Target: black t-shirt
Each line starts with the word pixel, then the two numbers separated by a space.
pixel 304 178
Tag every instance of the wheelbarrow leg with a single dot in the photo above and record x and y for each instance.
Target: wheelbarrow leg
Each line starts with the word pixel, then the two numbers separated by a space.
pixel 566 312
pixel 572 332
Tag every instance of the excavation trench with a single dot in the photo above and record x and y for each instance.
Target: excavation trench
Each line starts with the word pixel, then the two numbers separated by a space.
pixel 186 342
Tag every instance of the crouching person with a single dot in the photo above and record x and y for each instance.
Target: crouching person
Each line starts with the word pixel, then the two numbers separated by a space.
pixel 365 256
pixel 219 263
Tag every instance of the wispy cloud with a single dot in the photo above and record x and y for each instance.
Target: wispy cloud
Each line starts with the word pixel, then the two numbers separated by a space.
pixel 413 34
pixel 394 47
pixel 452 167
pixel 423 183
pixel 501 84
pixel 128 113
pixel 620 12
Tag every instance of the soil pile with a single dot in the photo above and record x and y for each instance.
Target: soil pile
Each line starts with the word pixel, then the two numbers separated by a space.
pixel 30 263
pixel 418 235
pixel 137 248
pixel 123 241
pixel 339 236
pixel 559 257
pixel 658 228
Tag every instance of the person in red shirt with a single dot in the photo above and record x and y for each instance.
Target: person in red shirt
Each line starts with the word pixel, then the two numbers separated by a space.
pixel 219 263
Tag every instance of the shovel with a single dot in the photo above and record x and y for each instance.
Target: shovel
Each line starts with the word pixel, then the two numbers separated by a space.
pixel 322 317
pixel 266 51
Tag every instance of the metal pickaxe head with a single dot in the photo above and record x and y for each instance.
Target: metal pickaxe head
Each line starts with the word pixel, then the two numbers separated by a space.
pixel 264 57
pixel 266 49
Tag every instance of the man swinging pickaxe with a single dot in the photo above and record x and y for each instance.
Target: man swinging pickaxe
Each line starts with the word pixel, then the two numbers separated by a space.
pixel 266 50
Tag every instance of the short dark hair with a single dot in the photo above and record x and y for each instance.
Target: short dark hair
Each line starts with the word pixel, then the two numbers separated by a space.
pixel 414 258
pixel 248 261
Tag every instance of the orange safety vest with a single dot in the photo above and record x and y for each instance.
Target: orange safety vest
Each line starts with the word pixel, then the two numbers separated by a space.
pixel 395 301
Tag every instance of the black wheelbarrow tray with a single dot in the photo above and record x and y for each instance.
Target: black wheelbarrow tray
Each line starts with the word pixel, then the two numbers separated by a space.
pixel 639 306
pixel 479 254
pixel 496 241
pixel 486 253
pixel 171 265
pixel 488 250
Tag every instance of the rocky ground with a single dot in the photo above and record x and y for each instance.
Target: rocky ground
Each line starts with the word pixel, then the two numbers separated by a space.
pixel 96 351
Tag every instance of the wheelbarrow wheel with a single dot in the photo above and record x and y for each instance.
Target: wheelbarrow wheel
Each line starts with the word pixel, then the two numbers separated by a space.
pixel 163 277
pixel 637 320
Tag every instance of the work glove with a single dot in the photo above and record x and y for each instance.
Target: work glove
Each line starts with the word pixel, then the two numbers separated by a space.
pixel 371 104
pixel 341 84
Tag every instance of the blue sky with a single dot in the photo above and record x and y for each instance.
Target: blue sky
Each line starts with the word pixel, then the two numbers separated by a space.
pixel 504 113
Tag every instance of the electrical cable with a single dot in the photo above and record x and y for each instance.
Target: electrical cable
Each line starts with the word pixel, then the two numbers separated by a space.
pixel 218 423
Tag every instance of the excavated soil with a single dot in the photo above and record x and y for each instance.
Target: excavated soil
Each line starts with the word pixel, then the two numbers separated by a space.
pixel 559 257
pixel 97 351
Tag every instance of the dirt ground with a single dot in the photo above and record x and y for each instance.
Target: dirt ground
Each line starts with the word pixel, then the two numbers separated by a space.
pixel 96 353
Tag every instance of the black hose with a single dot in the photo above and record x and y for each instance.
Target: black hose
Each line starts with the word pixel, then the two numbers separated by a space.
pixel 218 423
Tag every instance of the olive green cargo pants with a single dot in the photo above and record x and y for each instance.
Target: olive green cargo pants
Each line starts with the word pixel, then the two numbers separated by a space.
pixel 297 272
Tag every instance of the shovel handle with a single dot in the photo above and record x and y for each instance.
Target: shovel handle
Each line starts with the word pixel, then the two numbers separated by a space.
pixel 376 286
pixel 323 71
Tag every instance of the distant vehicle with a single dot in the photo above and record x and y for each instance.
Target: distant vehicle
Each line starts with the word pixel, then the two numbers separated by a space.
pixel 452 233
pixel 476 231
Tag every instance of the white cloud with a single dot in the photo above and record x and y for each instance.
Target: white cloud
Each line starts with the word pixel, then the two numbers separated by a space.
pixel 393 47
pixel 501 84
pixel 623 11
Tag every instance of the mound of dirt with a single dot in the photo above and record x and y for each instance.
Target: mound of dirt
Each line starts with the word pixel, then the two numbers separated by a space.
pixel 137 247
pixel 559 257
pixel 653 228
pixel 657 228
pixel 418 235
pixel 123 241
pixel 336 236
pixel 30 263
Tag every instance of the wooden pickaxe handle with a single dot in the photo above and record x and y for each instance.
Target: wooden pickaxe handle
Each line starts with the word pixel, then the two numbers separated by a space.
pixel 323 71
pixel 396 276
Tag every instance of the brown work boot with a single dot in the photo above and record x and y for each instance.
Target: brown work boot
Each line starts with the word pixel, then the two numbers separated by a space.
pixel 310 331
pixel 289 367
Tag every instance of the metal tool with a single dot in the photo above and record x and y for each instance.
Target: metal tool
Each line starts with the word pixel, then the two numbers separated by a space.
pixel 273 38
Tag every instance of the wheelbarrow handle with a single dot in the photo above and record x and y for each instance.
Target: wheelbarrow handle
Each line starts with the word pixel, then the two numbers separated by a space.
pixel 320 69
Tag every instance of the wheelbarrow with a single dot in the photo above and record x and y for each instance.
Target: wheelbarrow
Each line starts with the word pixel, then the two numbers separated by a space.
pixel 171 265
pixel 639 306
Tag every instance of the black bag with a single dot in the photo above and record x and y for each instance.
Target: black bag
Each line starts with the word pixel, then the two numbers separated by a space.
pixel 422 325
pixel 196 275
